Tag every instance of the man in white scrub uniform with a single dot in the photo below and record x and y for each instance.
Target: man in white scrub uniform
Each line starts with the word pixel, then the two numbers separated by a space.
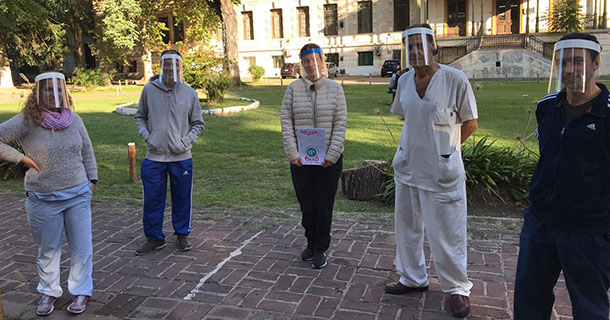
pixel 440 113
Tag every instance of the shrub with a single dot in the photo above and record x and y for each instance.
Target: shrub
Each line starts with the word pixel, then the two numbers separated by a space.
pixel 257 72
pixel 205 69
pixel 216 87
pixel 90 78
pixel 11 170
pixel 490 171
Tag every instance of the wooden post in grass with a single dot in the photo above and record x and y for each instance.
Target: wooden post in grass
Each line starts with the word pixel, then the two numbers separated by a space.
pixel 281 81
pixel 131 152
pixel 342 82
pixel 370 81
pixel 506 78
pixel 117 91
pixel 120 85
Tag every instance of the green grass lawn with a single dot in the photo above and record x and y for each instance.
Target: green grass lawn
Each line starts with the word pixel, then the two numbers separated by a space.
pixel 239 158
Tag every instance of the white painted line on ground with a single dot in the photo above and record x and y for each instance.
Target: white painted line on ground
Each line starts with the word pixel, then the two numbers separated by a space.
pixel 235 253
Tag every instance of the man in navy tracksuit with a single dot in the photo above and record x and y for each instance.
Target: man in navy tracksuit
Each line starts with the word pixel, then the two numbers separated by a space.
pixel 567 226
pixel 169 120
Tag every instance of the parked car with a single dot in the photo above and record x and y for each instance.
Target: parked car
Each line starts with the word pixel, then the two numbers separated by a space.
pixel 290 70
pixel 333 70
pixel 390 67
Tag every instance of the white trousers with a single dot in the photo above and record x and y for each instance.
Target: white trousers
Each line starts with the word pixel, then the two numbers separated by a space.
pixel 48 219
pixel 444 217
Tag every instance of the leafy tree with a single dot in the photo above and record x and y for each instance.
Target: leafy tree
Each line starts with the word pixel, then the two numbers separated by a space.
pixel 566 16
pixel 76 18
pixel 117 30
pixel 25 34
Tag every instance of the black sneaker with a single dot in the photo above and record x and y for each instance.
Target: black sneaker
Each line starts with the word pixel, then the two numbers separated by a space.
pixel 307 254
pixel 319 260
pixel 150 245
pixel 183 242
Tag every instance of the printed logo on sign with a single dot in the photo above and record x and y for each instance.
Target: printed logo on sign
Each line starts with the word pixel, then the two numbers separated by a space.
pixel 312 154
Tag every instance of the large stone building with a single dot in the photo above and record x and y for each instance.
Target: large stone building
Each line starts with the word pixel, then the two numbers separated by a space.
pixel 485 38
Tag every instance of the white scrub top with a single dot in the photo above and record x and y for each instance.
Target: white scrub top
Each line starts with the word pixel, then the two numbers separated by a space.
pixel 429 155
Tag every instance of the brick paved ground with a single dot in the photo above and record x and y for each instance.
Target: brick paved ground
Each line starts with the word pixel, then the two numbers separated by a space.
pixel 263 280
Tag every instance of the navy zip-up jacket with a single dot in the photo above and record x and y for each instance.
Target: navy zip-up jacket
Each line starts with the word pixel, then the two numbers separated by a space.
pixel 570 188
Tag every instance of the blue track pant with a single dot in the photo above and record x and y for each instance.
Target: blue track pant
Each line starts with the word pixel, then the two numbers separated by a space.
pixel 154 181
pixel 543 253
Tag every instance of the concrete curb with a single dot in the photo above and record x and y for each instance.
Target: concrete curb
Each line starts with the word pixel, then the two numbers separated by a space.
pixel 124 109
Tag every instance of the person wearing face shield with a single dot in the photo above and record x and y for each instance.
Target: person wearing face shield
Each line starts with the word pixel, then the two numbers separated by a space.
pixel 315 101
pixel 169 120
pixel 440 113
pixel 566 227
pixel 59 185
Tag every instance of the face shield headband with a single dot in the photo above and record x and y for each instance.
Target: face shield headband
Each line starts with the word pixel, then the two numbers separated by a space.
pixel 51 90
pixel 171 68
pixel 311 64
pixel 572 65
pixel 415 51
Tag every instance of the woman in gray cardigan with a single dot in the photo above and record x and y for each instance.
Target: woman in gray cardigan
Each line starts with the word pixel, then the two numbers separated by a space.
pixel 315 102
pixel 59 184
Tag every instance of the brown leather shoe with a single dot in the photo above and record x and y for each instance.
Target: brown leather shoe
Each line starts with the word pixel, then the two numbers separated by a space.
pixel 459 306
pixel 399 288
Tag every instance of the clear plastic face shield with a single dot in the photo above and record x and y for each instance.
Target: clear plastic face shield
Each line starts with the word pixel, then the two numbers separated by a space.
pixel 171 69
pixel 417 47
pixel 572 65
pixel 312 64
pixel 51 90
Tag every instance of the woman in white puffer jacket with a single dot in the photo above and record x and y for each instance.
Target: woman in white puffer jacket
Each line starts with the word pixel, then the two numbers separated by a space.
pixel 315 101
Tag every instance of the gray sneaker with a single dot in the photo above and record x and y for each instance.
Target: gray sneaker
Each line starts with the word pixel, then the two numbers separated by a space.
pixel 78 305
pixel 183 242
pixel 45 305
pixel 150 245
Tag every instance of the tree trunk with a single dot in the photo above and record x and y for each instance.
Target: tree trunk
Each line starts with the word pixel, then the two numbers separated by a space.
pixel 147 66
pixel 6 78
pixel 364 183
pixel 229 20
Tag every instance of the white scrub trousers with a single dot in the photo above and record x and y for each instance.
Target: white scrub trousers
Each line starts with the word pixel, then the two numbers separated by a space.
pixel 48 220
pixel 444 217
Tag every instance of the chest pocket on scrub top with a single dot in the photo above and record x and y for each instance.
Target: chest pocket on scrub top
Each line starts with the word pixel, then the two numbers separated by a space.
pixel 443 116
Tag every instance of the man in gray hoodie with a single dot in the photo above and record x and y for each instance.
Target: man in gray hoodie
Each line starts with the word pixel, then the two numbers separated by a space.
pixel 169 120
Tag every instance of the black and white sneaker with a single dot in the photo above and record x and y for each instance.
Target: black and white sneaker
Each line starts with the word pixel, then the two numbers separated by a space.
pixel 307 254
pixel 183 242
pixel 319 260
pixel 150 245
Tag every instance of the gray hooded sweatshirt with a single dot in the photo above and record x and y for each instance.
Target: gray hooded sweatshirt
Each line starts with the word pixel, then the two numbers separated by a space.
pixel 169 121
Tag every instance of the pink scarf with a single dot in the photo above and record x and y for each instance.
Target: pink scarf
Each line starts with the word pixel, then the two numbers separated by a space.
pixel 56 120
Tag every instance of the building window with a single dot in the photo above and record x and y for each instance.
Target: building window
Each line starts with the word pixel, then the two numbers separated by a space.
pixel 248 27
pixel 396 55
pixel 133 66
pixel 456 18
pixel 401 15
pixel 250 60
pixel 303 21
pixel 178 31
pixel 330 20
pixel 278 61
pixel 365 16
pixel 365 58
pixel 277 29
pixel 165 33
pixel 333 57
